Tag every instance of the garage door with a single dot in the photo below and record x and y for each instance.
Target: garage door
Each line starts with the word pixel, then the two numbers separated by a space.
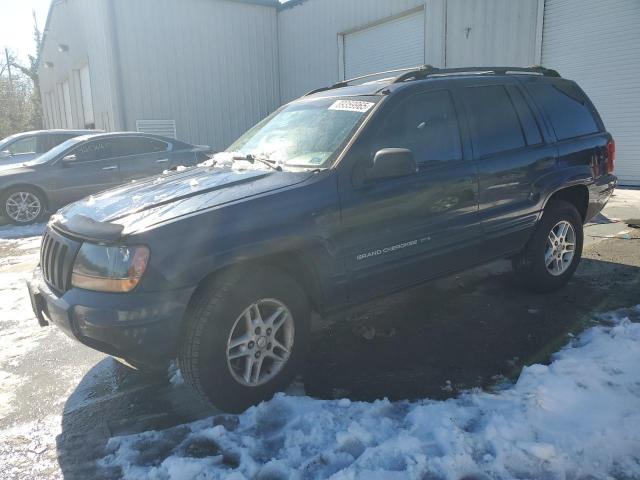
pixel 597 44
pixel 394 44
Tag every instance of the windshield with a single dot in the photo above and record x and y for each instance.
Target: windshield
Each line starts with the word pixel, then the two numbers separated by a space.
pixel 306 133
pixel 54 152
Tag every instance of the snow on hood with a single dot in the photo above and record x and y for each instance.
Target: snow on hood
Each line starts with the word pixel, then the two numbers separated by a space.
pixel 172 194
pixel 578 417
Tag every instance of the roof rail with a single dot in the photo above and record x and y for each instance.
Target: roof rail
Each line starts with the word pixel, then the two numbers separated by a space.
pixel 430 70
pixel 345 83
pixel 424 71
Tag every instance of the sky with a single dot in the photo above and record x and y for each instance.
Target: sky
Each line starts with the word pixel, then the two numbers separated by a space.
pixel 16 25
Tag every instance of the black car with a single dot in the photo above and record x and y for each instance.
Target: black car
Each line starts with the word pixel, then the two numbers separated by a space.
pixel 351 192
pixel 84 165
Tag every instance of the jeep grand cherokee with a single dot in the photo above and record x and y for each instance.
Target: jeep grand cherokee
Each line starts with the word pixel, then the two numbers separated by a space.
pixel 350 192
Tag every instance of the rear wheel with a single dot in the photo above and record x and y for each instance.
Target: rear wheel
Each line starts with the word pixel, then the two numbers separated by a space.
pixel 246 338
pixel 554 250
pixel 22 206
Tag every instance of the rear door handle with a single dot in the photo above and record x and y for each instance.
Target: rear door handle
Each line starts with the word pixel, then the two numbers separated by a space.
pixel 112 167
pixel 163 160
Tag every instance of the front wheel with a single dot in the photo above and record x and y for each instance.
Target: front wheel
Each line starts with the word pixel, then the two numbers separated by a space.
pixel 246 337
pixel 22 206
pixel 554 250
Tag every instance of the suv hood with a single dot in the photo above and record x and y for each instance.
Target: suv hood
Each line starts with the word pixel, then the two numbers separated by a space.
pixel 142 204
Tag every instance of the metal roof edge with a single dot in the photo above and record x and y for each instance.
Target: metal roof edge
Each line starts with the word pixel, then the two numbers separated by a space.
pixel 290 4
pixel 264 3
pixel 45 30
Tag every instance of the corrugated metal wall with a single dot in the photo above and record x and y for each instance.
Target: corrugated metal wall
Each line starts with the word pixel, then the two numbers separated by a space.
pixel 309 42
pixel 598 44
pixel 212 66
pixel 218 66
pixel 491 32
pixel 487 32
pixel 82 26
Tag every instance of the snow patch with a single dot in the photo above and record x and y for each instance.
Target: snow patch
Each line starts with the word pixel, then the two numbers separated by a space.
pixel 15 231
pixel 577 417
pixel 174 374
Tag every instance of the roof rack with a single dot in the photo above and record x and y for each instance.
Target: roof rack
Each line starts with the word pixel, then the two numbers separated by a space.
pixel 345 83
pixel 429 70
pixel 419 73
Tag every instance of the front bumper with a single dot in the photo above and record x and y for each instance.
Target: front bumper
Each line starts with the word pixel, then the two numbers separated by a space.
pixel 140 328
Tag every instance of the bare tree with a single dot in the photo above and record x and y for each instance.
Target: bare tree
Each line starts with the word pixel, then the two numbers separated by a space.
pixel 20 104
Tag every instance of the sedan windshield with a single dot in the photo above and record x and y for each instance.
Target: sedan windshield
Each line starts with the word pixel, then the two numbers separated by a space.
pixel 306 133
pixel 55 151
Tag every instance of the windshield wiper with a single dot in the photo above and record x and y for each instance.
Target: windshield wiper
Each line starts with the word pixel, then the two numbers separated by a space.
pixel 253 158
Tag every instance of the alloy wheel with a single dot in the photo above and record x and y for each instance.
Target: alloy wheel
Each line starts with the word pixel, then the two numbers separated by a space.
pixel 260 342
pixel 561 245
pixel 23 207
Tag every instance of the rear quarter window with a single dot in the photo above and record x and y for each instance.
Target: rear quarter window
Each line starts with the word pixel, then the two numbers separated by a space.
pixel 567 108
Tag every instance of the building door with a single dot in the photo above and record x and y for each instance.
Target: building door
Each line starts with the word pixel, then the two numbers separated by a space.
pixel 68 114
pixel 87 98
pixel 597 44
pixel 396 43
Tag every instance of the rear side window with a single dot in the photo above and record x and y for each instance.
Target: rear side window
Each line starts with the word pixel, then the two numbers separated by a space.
pixel 494 120
pixel 527 120
pixel 47 142
pixel 139 145
pixel 427 125
pixel 566 107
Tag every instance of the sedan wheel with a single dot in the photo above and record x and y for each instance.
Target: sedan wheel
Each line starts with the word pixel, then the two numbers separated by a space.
pixel 23 207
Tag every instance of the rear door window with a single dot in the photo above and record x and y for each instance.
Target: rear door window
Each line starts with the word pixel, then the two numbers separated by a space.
pixel 494 121
pixel 47 142
pixel 427 125
pixel 567 108
pixel 127 146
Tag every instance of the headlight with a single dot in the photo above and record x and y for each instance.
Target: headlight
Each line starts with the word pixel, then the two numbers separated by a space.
pixel 109 268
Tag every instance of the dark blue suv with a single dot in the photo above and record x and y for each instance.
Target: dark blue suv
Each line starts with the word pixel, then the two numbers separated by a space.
pixel 350 192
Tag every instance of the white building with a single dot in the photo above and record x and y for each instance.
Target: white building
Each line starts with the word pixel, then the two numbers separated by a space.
pixel 206 70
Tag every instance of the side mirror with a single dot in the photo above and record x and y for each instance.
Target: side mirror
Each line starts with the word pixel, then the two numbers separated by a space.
pixel 69 159
pixel 5 154
pixel 392 163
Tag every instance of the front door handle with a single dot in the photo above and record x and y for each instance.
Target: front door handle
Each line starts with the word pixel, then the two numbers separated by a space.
pixel 112 167
pixel 163 160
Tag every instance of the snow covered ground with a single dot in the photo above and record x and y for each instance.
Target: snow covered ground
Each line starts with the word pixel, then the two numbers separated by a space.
pixel 578 417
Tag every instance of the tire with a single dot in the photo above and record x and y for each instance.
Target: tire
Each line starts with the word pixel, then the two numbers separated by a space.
pixel 218 312
pixel 530 266
pixel 11 203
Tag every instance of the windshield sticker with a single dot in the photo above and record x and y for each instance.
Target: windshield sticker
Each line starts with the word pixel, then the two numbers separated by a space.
pixel 351 106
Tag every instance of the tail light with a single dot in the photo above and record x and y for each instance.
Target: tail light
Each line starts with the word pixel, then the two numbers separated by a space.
pixel 611 155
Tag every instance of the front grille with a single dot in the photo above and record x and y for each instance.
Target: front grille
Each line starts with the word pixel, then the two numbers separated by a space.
pixel 57 254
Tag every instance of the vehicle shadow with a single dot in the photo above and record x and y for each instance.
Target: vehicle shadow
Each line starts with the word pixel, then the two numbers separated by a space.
pixel 475 329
